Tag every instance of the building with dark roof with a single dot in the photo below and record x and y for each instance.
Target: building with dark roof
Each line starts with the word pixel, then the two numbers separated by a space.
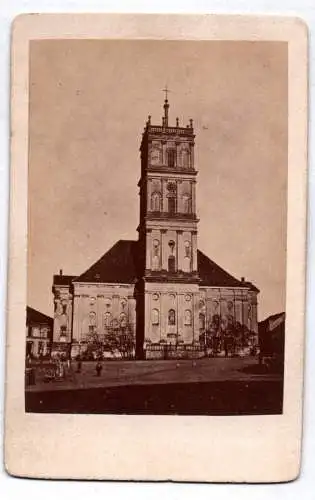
pixel 39 330
pixel 160 287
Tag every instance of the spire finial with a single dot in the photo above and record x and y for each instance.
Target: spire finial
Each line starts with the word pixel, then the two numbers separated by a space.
pixel 166 90
pixel 166 106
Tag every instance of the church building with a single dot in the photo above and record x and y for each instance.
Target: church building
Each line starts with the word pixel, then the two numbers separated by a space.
pixel 160 288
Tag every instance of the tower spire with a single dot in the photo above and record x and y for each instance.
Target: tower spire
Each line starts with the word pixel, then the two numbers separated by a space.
pixel 166 107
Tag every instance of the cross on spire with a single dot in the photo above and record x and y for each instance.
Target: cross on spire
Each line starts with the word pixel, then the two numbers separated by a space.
pixel 166 90
pixel 166 108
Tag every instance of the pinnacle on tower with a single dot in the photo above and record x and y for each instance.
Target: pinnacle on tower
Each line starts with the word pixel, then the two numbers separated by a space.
pixel 166 108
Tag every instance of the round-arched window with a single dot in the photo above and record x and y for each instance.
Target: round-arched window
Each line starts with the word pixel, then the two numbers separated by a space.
pixel 156 202
pixel 155 317
pixel 171 317
pixel 187 317
pixel 186 204
pixel 107 319
pixel 123 320
pixel 92 318
pixel 156 255
pixel 202 321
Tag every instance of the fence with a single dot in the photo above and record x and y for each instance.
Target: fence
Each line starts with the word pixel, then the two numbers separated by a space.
pixel 170 351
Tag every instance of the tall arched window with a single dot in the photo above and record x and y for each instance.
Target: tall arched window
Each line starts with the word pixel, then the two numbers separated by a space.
pixel 156 255
pixel 187 257
pixel 171 205
pixel 202 321
pixel 156 202
pixel 171 259
pixel 107 319
pixel 185 158
pixel 171 264
pixel 171 157
pixel 171 197
pixel 187 317
pixel 155 317
pixel 187 204
pixel 171 317
pixel 92 318
pixel 123 320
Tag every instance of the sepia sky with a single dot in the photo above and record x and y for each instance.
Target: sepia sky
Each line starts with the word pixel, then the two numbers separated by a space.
pixel 89 101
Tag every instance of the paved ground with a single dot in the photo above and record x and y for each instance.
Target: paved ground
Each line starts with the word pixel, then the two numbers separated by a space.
pixel 215 386
pixel 123 373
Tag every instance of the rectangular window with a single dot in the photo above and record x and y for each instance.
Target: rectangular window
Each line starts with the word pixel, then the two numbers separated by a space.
pixel 172 205
pixel 171 153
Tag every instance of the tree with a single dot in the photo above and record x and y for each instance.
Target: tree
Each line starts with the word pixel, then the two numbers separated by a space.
pixel 120 339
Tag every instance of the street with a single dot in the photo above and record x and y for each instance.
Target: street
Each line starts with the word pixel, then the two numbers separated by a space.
pixel 204 386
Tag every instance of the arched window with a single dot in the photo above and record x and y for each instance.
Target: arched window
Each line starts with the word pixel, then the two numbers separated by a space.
pixel 171 259
pixel 202 321
pixel 171 158
pixel 171 197
pixel 107 319
pixel 155 317
pixel 156 255
pixel 187 317
pixel 171 264
pixel 185 158
pixel 171 205
pixel 171 244
pixel 156 156
pixel 187 248
pixel 123 320
pixel 230 306
pixel 187 204
pixel 92 318
pixel 187 257
pixel 171 317
pixel 156 202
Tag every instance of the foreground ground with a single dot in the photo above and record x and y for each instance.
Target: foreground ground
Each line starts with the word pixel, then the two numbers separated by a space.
pixel 215 386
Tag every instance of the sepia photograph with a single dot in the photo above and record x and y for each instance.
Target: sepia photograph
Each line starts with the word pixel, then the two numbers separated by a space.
pixel 157 227
pixel 157 248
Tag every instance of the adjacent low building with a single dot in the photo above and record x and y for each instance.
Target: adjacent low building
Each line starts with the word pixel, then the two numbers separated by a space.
pixel 39 331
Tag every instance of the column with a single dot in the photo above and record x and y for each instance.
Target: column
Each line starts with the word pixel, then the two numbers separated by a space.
pixel 254 318
pixel 195 316
pixel 163 152
pixel 180 250
pixel 149 194
pixel 193 196
pixel 192 156
pixel 194 250
pixel 163 192
pixel 245 311
pixel 147 315
pixel 76 329
pixel 69 320
pixel 99 319
pixel 178 197
pixel 164 249
pixel 148 237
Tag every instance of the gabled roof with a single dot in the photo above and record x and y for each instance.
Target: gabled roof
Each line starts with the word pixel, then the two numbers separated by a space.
pixel 271 320
pixel 34 316
pixel 119 265
pixel 213 275
pixel 63 279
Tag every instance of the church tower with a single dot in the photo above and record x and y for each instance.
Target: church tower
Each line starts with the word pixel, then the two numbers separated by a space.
pixel 168 287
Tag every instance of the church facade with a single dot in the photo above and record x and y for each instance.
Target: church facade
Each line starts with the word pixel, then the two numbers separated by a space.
pixel 160 288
